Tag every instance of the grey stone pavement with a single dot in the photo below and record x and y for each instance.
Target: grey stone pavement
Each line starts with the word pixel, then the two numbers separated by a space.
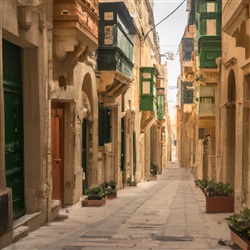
pixel 168 213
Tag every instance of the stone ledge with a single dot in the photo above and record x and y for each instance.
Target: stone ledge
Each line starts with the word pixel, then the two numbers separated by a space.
pixel 26 220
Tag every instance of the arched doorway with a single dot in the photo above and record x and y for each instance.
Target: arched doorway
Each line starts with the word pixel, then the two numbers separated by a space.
pixel 230 138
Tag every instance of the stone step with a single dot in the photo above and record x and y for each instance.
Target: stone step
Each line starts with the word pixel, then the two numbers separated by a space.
pixel 55 209
pixel 30 220
pixel 19 233
pixel 25 224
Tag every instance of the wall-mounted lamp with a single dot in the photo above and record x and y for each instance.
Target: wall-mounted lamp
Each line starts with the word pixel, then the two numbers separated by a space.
pixel 169 55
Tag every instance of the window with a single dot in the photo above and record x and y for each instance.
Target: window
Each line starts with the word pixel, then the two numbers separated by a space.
pixel 146 88
pixel 210 7
pixel 108 35
pixel 207 100
pixel 211 27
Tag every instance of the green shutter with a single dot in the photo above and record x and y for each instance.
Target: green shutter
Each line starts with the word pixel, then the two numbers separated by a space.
pixel 107 125
pixel 134 150
pixel 100 125
pixel 123 144
pixel 84 153
pixel 104 125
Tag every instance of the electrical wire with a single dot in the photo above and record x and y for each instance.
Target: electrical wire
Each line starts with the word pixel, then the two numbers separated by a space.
pixel 165 18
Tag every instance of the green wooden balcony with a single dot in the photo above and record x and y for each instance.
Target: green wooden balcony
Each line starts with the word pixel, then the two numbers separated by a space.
pixel 206 6
pixel 116 33
pixel 148 89
pixel 208 24
pixel 161 111
pixel 209 48
pixel 208 18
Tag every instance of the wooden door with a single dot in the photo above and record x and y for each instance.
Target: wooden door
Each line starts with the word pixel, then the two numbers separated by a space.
pixel 57 144
pixel 13 116
pixel 84 153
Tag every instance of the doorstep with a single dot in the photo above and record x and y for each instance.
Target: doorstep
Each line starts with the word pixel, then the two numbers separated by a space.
pixel 25 224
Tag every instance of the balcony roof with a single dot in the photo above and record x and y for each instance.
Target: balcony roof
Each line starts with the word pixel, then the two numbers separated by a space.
pixel 120 9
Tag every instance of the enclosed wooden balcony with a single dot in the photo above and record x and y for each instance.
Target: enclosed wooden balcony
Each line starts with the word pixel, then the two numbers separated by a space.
pixel 161 110
pixel 209 48
pixel 148 89
pixel 115 50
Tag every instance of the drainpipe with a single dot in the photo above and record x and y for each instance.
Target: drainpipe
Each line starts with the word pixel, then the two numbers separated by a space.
pixel 47 18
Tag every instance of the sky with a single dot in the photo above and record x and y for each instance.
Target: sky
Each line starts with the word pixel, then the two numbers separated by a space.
pixel 170 32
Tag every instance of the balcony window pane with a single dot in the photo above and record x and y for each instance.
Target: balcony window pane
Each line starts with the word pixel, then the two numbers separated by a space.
pixel 108 15
pixel 108 35
pixel 124 44
pixel 211 27
pixel 146 75
pixel 210 7
pixel 146 88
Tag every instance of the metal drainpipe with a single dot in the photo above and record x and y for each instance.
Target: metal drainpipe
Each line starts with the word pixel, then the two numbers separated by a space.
pixel 47 39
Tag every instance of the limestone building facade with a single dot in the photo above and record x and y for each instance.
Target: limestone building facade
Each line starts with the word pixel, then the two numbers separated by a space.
pixel 220 85
pixel 82 100
pixel 233 126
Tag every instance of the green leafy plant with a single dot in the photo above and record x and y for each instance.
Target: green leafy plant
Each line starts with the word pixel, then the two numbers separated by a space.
pixel 203 183
pixel 153 169
pixel 213 188
pixel 219 189
pixel 109 186
pixel 112 184
pixel 240 223
pixel 95 190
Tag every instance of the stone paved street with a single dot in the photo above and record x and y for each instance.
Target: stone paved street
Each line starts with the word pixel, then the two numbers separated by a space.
pixel 165 214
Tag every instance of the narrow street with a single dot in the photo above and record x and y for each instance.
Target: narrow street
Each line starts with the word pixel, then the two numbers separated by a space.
pixel 165 214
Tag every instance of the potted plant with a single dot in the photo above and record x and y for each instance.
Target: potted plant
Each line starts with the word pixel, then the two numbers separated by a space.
pixel 130 182
pixel 96 197
pixel 219 196
pixel 110 190
pixel 153 169
pixel 239 225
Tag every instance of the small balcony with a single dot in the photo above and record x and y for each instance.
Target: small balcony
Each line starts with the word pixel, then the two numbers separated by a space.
pixel 206 104
pixel 161 110
pixel 116 49
pixel 76 22
pixel 148 89
pixel 209 48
